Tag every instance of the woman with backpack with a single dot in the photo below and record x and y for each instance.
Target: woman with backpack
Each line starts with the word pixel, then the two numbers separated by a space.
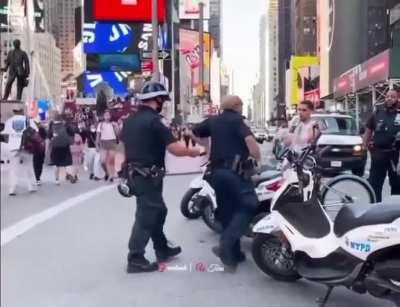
pixel 107 140
pixel 61 137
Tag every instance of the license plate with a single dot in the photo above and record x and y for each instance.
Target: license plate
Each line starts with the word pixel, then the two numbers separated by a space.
pixel 336 163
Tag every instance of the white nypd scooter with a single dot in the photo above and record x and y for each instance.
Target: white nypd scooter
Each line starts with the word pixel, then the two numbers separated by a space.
pixel 359 250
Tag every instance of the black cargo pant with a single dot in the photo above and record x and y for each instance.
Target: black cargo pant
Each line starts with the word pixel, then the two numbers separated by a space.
pixel 383 164
pixel 237 204
pixel 151 213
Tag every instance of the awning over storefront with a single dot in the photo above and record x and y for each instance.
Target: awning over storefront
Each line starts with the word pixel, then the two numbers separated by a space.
pixel 381 68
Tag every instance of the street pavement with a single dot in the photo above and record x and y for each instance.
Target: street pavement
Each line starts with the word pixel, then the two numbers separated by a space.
pixel 67 245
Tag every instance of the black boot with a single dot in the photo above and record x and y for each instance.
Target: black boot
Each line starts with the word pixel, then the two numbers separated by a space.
pixel 167 252
pixel 139 264
pixel 238 254
pixel 230 264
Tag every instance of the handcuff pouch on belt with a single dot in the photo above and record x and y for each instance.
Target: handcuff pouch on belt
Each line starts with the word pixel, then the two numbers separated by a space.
pixel 244 168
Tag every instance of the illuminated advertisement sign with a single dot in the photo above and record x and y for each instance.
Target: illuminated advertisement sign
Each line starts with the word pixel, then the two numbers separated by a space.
pixel 368 73
pixel 189 9
pixel 130 38
pixel 113 62
pixel 127 10
pixel 189 47
pixel 118 81
pixel 38 6
pixel 3 15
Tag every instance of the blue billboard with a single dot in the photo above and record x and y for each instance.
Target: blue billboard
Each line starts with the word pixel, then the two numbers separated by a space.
pixel 113 62
pixel 118 81
pixel 127 38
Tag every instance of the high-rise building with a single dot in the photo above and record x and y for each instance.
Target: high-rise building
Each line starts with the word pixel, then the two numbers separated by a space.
pixel 259 90
pixel 215 24
pixel 272 74
pixel 285 46
pixel 61 23
pixel 306 27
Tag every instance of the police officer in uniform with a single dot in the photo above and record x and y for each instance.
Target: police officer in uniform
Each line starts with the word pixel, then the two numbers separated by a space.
pixel 146 140
pixel 379 137
pixel 232 143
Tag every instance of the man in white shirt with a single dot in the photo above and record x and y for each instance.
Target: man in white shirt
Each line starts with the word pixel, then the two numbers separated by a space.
pixel 304 133
pixel 21 162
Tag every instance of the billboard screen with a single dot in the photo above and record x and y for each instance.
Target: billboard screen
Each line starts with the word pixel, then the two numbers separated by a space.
pixel 189 9
pixel 127 38
pixel 113 62
pixel 3 15
pixel 38 6
pixel 127 10
pixel 189 48
pixel 118 81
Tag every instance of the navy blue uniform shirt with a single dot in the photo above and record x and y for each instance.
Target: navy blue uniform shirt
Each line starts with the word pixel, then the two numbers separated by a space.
pixel 227 132
pixel 145 138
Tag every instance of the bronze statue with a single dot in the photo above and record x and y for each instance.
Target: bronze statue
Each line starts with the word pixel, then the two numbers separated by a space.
pixel 17 64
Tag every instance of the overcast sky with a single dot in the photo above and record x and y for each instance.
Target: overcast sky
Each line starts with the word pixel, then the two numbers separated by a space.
pixel 240 37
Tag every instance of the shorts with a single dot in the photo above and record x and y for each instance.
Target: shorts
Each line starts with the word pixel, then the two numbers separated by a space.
pixel 108 144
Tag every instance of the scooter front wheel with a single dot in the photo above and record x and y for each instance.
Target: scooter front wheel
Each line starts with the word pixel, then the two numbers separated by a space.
pixel 188 205
pixel 273 258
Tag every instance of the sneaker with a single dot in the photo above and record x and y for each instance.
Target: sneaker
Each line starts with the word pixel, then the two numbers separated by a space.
pixel 38 183
pixel 91 177
pixel 96 178
pixel 106 177
pixel 141 265
pixel 33 191
pixel 57 182
pixel 12 194
pixel 111 180
pixel 68 177
pixel 168 252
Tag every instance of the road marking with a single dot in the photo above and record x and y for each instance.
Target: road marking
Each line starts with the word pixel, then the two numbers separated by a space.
pixel 14 231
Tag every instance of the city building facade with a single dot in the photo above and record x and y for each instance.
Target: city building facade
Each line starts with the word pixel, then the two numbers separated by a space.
pixel 272 52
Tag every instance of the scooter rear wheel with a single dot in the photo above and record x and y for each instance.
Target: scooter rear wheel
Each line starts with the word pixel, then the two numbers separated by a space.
pixel 273 258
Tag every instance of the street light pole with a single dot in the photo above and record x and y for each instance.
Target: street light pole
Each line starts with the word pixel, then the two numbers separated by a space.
pixel 156 74
pixel 201 45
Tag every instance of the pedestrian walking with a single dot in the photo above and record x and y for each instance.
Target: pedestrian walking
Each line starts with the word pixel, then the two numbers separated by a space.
pixel 146 139
pixel 39 153
pixel 90 150
pixel 107 140
pixel 232 144
pixel 76 148
pixel 19 149
pixel 380 136
pixel 61 136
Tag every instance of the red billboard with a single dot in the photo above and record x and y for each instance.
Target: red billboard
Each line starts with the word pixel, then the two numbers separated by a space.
pixel 127 10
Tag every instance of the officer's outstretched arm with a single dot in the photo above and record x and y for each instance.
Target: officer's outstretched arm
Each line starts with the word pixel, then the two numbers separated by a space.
pixel 253 147
pixel 179 150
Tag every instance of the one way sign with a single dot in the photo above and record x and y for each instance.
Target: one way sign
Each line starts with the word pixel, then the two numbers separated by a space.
pixel 162 54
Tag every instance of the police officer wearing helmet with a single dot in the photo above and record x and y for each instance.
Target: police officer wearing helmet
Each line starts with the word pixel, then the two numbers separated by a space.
pixel 380 137
pixel 146 140
pixel 232 143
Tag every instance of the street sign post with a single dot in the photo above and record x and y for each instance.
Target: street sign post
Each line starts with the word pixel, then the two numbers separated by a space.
pixel 162 55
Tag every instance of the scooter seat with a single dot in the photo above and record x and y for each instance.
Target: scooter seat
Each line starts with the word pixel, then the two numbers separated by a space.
pixel 357 215
pixel 265 176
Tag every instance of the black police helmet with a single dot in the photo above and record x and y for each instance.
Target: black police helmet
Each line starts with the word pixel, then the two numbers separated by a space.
pixel 151 90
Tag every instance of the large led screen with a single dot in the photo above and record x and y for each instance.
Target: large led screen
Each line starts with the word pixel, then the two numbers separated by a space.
pixel 113 62
pixel 130 38
pixel 118 81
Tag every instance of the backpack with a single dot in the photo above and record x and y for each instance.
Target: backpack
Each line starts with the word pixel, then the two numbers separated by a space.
pixel 61 137
pixel 29 140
